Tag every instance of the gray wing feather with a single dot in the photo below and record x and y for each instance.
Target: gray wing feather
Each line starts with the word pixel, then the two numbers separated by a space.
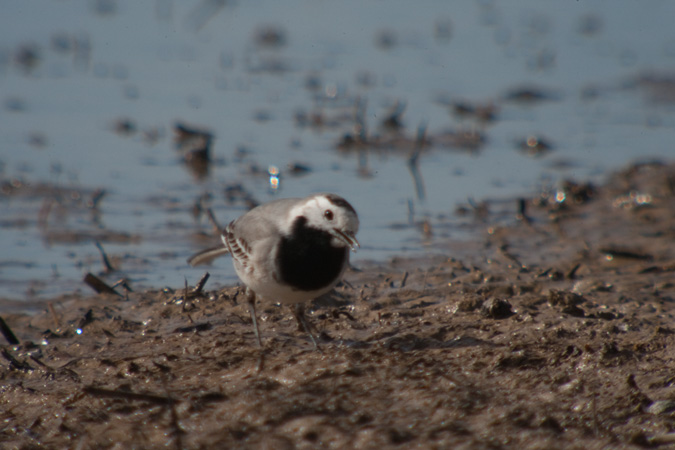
pixel 262 222
pixel 259 226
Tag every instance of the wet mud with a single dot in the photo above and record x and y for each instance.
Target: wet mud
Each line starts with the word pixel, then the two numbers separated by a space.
pixel 554 331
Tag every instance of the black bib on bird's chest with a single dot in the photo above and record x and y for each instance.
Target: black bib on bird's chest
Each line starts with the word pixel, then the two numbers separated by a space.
pixel 306 259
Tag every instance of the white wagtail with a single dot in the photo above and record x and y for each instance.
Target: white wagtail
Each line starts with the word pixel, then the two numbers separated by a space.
pixel 290 250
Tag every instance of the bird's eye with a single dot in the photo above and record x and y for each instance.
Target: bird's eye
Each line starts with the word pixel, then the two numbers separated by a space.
pixel 328 214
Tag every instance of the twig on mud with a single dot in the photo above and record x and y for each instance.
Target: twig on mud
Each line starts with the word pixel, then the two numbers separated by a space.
pixel 413 163
pixel 7 332
pixel 571 275
pixel 99 285
pixel 200 284
pixel 522 212
pixel 133 396
pixel 213 220
pixel 348 284
pixel 404 280
pixel 124 283
pixel 616 252
pixel 504 250
pixel 186 299
pixel 194 328
pixel 86 319
pixel 55 317
pixel 15 363
pixel 106 262
pixel 188 294
pixel 52 372
pixel 96 197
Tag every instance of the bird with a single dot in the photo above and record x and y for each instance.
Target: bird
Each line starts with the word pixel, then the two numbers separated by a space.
pixel 290 251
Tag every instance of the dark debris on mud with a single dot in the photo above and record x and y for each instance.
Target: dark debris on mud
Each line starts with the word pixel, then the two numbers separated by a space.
pixel 554 333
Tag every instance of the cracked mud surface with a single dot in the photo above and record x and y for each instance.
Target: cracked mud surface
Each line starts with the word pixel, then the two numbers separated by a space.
pixel 555 332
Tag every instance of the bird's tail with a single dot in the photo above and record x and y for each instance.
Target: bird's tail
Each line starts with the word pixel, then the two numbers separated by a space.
pixel 208 255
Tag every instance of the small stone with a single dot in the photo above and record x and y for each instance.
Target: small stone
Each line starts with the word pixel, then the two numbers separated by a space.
pixel 661 407
pixel 497 308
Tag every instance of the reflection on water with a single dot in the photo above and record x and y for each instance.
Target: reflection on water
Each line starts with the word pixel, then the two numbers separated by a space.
pixel 124 123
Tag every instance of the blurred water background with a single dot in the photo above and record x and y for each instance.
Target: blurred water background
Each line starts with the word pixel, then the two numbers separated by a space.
pixel 489 100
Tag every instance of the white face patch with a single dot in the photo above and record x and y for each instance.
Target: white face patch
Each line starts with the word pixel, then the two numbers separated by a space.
pixel 322 213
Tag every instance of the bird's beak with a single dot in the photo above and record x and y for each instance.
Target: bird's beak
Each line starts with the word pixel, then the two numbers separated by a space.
pixel 348 238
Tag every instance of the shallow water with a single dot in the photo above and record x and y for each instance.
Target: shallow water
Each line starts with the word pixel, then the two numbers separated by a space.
pixel 70 71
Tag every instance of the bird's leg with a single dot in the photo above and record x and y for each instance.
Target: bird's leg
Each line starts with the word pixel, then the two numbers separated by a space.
pixel 300 317
pixel 250 298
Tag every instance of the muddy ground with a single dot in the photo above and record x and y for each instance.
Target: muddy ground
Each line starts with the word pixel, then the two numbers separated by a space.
pixel 553 332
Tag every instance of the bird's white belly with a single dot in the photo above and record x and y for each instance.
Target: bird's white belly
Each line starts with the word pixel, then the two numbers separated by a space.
pixel 264 285
pixel 285 295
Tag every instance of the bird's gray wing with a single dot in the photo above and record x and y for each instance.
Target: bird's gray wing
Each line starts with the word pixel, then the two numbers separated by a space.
pixel 258 227
pixel 262 222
